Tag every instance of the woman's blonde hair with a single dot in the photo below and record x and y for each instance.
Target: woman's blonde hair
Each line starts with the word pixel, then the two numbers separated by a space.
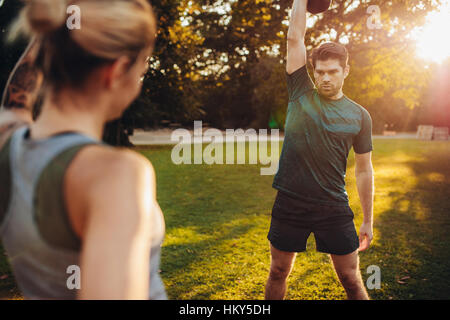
pixel 108 30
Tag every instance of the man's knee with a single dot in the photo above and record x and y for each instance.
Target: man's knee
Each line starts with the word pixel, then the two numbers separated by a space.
pixel 279 273
pixel 350 280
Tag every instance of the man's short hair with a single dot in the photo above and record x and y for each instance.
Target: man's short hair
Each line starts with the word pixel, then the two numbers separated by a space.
pixel 330 50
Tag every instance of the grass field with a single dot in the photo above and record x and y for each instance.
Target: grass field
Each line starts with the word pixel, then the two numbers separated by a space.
pixel 217 218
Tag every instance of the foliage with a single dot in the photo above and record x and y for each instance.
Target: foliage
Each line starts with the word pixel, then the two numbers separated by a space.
pixel 222 61
pixel 225 43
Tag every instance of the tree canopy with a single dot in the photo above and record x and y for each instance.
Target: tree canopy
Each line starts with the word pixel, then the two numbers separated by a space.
pixel 222 61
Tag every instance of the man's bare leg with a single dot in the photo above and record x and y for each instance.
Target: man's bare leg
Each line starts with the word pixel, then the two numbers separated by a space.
pixel 347 270
pixel 281 264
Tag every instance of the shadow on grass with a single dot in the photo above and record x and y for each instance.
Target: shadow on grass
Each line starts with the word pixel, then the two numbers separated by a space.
pixel 413 250
pixel 182 258
pixel 206 208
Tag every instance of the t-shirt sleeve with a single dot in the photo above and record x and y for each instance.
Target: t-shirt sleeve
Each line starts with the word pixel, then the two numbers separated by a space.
pixel 298 83
pixel 362 143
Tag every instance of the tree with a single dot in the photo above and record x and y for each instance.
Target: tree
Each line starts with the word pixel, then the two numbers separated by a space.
pixel 242 36
pixel 222 61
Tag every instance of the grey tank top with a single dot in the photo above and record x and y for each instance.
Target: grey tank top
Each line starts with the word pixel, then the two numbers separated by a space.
pixel 36 232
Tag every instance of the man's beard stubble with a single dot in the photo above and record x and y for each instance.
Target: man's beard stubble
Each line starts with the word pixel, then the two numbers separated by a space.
pixel 329 92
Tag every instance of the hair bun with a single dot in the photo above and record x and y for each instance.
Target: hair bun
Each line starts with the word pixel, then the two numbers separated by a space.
pixel 45 15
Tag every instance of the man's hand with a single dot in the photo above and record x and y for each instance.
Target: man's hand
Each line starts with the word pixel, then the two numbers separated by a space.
pixel 365 236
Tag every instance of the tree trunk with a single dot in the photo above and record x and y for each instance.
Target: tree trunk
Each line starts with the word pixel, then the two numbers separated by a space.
pixel 115 134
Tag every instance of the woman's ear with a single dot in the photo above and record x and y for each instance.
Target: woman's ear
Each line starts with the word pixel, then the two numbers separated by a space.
pixel 114 72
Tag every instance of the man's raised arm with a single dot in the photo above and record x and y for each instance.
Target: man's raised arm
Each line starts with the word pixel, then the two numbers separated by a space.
pixel 296 50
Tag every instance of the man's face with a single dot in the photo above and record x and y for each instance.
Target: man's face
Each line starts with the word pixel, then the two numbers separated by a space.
pixel 329 77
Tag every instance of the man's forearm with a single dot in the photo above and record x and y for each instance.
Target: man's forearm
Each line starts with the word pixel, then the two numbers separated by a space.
pixel 297 23
pixel 365 186
pixel 24 82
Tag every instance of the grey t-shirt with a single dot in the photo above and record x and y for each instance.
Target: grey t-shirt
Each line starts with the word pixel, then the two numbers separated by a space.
pixel 319 134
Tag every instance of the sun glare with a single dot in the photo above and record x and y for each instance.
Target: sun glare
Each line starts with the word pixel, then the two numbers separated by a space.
pixel 433 38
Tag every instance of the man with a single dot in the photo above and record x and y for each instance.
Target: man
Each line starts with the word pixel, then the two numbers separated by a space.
pixel 322 125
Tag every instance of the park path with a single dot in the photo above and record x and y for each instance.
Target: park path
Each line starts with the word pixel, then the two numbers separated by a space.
pixel 163 137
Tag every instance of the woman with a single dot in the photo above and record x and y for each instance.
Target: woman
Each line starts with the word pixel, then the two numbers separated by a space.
pixel 72 207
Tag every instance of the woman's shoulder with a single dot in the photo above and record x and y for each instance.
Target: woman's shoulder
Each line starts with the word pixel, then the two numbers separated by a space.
pixel 106 178
pixel 110 157
pixel 100 159
pixel 102 166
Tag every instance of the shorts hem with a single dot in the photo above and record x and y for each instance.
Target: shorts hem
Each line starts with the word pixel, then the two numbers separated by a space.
pixel 285 249
pixel 341 253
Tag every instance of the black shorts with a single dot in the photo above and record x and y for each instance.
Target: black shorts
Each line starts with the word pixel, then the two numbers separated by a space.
pixel 293 220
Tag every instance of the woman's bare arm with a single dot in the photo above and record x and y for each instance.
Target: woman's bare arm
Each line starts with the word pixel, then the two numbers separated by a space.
pixel 117 229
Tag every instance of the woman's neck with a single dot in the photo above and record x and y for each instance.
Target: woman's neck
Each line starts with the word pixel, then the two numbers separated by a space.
pixel 69 113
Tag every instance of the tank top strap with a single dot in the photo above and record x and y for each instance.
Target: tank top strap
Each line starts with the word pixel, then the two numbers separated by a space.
pixel 50 210
pixel 27 159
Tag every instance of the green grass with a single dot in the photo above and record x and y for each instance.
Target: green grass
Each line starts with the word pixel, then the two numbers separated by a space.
pixel 217 218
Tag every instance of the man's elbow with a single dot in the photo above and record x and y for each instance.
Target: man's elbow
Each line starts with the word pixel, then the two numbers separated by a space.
pixel 366 171
pixel 293 37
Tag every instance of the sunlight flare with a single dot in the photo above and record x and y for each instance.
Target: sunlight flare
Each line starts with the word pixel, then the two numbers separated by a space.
pixel 432 38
